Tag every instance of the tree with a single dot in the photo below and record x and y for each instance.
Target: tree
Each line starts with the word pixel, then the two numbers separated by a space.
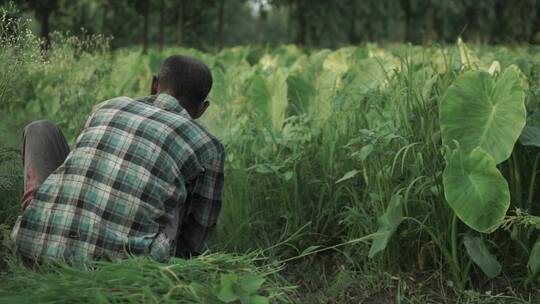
pixel 220 23
pixel 43 10
pixel 263 17
pixel 180 23
pixel 407 10
pixel 301 8
pixel 161 23
pixel 143 8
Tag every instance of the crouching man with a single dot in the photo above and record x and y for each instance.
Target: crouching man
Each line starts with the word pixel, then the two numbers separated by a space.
pixel 143 178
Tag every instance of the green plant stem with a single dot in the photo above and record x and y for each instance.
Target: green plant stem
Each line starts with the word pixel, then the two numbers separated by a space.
pixel 517 179
pixel 455 258
pixel 452 257
pixel 350 242
pixel 532 182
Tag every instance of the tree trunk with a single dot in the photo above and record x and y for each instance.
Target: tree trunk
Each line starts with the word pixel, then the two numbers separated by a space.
pixel 289 20
pixel 105 10
pixel 472 28
pixel 314 34
pixel 262 23
pixel 406 5
pixel 161 23
pixel 145 32
pixel 429 33
pixel 536 25
pixel 352 25
pixel 498 29
pixel 180 22
pixel 439 23
pixel 44 20
pixel 220 24
pixel 83 19
pixel 302 22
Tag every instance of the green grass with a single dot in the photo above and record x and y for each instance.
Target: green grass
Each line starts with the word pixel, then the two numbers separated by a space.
pixel 202 280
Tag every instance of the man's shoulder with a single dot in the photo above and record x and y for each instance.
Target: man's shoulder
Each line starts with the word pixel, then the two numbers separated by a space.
pixel 209 146
pixel 201 140
pixel 113 102
pixel 122 100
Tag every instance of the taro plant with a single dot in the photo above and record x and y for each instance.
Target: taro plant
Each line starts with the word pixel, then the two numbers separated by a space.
pixel 481 117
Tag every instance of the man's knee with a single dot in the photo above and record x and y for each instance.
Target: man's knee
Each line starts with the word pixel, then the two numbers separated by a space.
pixel 40 128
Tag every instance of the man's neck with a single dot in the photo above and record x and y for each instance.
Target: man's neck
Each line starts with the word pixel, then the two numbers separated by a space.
pixel 180 100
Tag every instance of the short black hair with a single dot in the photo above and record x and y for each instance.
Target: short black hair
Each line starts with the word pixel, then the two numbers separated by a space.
pixel 188 78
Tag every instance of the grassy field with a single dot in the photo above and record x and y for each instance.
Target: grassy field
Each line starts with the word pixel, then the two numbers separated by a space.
pixel 357 175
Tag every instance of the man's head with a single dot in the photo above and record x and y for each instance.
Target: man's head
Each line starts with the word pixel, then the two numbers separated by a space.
pixel 188 80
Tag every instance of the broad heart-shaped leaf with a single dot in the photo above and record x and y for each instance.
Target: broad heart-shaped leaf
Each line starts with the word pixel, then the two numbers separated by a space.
pixel 328 81
pixel 531 133
pixel 530 136
pixel 226 292
pixel 475 189
pixel 469 59
pixel 251 283
pixel 479 111
pixel 268 96
pixel 300 92
pixel 388 224
pixel 256 299
pixel 479 253
pixel 277 86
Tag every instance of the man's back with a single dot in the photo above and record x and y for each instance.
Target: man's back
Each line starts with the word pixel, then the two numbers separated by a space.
pixel 124 186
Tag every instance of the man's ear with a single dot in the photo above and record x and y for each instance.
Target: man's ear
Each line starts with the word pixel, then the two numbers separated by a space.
pixel 202 108
pixel 154 85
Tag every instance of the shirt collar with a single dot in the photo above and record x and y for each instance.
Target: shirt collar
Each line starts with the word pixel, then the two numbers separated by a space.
pixel 169 103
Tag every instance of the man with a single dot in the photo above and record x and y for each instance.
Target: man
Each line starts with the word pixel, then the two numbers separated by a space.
pixel 144 178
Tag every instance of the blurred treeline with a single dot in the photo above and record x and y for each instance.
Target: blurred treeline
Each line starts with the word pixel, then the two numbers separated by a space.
pixel 213 24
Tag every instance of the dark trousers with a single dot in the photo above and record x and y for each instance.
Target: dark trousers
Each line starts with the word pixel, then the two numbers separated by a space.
pixel 44 149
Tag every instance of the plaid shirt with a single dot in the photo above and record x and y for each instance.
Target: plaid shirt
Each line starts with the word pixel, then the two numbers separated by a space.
pixel 144 178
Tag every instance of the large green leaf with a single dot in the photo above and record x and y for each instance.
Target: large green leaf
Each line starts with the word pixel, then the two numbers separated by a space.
pixel 468 58
pixel 227 291
pixel 479 111
pixel 251 283
pixel 300 93
pixel 530 136
pixel 327 83
pixel 531 133
pixel 268 96
pixel 365 75
pixel 388 224
pixel 277 86
pixel 534 262
pixel 479 253
pixel 476 190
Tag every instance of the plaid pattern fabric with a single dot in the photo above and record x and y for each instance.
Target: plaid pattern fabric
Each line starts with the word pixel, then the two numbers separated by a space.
pixel 142 175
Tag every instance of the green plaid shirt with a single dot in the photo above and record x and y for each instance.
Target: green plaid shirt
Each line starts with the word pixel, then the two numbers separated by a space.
pixel 144 178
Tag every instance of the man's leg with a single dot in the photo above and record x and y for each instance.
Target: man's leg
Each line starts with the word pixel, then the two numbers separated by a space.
pixel 44 149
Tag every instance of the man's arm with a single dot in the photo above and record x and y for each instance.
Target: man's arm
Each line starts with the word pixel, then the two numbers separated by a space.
pixel 204 205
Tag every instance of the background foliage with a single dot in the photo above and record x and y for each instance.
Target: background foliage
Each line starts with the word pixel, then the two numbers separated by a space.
pixel 213 24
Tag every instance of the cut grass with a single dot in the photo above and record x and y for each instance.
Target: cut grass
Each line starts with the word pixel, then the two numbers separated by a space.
pixel 205 279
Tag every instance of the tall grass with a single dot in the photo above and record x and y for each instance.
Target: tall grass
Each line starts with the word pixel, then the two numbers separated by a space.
pixel 318 143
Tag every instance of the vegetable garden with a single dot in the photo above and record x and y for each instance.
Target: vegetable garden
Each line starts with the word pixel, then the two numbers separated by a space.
pixel 355 174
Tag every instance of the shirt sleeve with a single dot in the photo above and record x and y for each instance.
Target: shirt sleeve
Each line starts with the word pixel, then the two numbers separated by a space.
pixel 204 206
